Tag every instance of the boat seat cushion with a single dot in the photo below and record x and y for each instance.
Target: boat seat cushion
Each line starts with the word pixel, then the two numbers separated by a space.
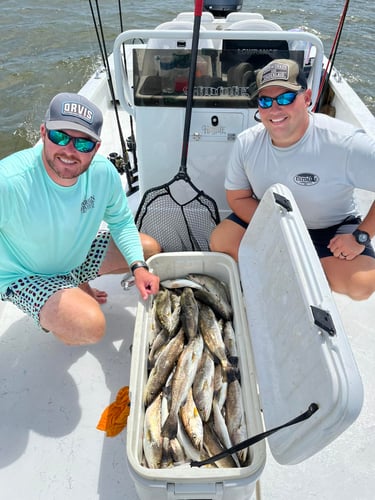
pixel 254 25
pixel 174 43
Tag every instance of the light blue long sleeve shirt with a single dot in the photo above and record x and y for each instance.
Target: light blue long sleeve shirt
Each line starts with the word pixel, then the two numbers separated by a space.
pixel 48 229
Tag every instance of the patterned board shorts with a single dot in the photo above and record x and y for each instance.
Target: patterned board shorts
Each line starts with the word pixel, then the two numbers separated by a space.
pixel 31 293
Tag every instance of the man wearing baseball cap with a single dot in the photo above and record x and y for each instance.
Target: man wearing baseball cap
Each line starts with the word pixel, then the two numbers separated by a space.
pixel 76 112
pixel 53 200
pixel 321 160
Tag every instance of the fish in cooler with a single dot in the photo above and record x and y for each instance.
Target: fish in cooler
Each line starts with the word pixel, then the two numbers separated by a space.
pixel 182 381
pixel 214 293
pixel 189 312
pixel 196 371
pixel 163 367
pixel 214 446
pixel 203 385
pixel 167 308
pixel 152 439
pixel 234 417
pixel 213 338
pixel 192 421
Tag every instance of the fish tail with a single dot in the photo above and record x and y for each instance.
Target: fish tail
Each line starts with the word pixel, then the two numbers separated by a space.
pixel 242 456
pixel 150 363
pixel 233 360
pixel 170 426
pixel 232 373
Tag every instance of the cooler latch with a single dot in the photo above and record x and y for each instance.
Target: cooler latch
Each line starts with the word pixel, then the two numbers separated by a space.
pixel 195 491
pixel 323 319
pixel 282 201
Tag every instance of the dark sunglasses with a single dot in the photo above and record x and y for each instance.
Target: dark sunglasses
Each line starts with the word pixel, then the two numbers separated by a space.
pixel 284 99
pixel 81 144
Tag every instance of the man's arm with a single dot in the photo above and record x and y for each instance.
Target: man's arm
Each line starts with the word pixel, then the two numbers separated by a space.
pixel 242 203
pixel 345 245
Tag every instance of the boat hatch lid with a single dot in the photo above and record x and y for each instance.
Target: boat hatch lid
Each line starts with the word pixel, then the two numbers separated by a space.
pixel 301 351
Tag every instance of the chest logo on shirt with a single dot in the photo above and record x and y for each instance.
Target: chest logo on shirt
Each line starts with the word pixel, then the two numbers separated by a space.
pixel 306 179
pixel 87 204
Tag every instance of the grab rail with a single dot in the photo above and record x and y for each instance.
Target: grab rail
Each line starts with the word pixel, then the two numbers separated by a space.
pixel 123 86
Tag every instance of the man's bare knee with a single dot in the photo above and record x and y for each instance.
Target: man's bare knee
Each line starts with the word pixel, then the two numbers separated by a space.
pixel 86 331
pixel 215 241
pixel 226 238
pixel 150 245
pixel 74 317
pixel 358 293
pixel 355 278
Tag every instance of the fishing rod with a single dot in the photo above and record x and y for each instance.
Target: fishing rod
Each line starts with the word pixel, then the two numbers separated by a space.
pixel 328 70
pixel 98 36
pixel 132 135
pixel 123 165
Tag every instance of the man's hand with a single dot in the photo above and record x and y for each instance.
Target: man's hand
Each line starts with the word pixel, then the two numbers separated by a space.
pixel 146 282
pixel 345 247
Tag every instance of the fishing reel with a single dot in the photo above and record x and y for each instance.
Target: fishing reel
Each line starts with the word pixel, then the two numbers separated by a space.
pixel 124 167
pixel 118 162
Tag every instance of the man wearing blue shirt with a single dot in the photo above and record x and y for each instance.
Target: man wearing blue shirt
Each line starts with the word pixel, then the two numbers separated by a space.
pixel 53 200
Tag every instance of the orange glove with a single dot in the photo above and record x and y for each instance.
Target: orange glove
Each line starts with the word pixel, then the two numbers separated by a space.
pixel 115 416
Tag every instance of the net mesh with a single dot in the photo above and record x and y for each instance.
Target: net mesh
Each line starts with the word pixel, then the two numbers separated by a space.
pixel 178 227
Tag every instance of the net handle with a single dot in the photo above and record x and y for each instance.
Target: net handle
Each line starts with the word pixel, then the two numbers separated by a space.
pixel 191 82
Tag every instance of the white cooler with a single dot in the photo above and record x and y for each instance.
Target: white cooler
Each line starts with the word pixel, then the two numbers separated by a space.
pixel 291 342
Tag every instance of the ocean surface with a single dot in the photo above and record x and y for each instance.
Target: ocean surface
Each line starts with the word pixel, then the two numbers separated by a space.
pixel 50 47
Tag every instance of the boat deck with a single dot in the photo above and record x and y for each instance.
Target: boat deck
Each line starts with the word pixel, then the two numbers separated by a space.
pixel 52 397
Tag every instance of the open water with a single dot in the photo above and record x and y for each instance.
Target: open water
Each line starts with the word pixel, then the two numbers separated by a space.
pixel 49 47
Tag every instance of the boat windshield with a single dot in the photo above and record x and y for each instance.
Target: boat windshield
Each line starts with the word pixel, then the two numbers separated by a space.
pixel 224 78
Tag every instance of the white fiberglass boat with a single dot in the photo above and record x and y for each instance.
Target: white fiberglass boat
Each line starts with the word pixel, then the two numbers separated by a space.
pixel 52 395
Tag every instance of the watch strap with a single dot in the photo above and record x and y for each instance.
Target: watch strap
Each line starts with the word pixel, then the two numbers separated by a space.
pixel 137 264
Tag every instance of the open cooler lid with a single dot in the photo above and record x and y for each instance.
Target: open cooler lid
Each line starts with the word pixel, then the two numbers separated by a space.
pixel 301 352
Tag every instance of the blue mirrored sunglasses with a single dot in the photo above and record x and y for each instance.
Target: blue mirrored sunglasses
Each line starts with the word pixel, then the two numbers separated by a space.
pixel 284 99
pixel 81 144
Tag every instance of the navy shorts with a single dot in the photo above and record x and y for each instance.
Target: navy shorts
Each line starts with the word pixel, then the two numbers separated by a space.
pixel 31 292
pixel 322 237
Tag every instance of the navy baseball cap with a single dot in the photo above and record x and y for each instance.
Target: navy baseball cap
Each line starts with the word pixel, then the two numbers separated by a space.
pixel 74 112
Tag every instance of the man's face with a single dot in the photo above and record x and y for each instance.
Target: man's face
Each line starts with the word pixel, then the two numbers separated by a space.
pixel 286 124
pixel 64 164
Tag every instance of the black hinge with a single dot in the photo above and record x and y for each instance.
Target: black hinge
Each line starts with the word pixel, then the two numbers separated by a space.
pixel 323 319
pixel 284 202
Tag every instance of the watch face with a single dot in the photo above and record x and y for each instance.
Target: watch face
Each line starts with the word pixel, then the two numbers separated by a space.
pixel 361 237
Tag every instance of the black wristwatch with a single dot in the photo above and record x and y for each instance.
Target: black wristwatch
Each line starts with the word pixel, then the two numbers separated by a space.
pixel 361 237
pixel 138 263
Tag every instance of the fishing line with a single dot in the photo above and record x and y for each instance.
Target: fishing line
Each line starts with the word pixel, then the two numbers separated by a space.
pixel 97 35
